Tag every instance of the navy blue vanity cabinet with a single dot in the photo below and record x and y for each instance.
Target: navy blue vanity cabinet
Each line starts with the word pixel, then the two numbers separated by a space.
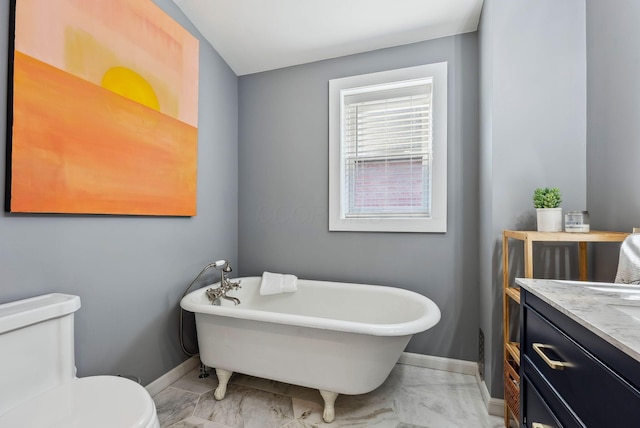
pixel 570 377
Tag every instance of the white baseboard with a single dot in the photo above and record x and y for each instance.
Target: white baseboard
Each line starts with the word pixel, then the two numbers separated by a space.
pixel 495 406
pixel 439 363
pixel 172 375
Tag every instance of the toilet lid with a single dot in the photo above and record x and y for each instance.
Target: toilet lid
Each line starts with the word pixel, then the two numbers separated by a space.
pixel 97 402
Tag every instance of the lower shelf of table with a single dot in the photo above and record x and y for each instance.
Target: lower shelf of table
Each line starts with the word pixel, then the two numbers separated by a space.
pixel 513 349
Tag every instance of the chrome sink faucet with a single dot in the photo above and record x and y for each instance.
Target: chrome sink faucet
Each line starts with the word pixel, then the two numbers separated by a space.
pixel 226 285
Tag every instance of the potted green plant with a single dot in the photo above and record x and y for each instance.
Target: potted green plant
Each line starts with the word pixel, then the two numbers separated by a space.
pixel 549 214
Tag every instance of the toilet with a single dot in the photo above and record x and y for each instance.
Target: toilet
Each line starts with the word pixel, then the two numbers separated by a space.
pixel 38 386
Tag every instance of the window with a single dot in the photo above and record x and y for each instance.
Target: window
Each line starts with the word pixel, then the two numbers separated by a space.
pixel 388 151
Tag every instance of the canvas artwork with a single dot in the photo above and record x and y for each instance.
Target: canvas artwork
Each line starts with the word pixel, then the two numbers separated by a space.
pixel 103 109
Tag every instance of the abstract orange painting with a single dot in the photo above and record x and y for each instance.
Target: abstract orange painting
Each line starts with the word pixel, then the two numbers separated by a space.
pixel 103 109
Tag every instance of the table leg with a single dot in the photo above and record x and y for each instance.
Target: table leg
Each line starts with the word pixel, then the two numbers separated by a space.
pixel 505 311
pixel 582 260
pixel 528 258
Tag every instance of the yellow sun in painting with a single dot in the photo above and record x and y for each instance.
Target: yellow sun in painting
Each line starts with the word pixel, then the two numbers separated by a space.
pixel 126 82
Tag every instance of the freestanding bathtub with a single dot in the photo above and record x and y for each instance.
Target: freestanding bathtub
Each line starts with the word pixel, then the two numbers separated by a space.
pixel 340 338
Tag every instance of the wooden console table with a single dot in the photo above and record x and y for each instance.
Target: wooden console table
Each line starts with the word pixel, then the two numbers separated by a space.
pixel 512 348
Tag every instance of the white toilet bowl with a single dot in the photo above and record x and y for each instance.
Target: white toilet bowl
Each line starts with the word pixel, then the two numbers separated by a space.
pixel 38 387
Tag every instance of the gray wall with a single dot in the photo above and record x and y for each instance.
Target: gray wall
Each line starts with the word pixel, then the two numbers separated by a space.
pixel 130 272
pixel 613 126
pixel 532 133
pixel 283 191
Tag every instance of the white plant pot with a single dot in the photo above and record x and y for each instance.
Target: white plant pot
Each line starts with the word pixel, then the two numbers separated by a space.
pixel 549 219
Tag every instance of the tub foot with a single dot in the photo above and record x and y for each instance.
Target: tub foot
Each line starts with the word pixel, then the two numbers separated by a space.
pixel 223 379
pixel 329 398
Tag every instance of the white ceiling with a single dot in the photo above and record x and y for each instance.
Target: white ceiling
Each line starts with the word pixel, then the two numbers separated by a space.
pixel 260 35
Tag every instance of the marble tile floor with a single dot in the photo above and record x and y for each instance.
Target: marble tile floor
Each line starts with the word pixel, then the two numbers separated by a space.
pixel 411 397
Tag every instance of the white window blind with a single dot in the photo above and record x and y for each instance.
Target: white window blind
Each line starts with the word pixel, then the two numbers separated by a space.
pixel 387 150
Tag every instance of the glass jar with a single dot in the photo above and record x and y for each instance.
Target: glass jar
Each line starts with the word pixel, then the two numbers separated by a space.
pixel 576 221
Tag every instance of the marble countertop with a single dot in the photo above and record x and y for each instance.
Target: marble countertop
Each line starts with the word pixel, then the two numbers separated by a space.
pixel 611 311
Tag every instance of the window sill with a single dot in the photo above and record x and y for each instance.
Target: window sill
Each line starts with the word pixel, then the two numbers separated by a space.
pixel 413 225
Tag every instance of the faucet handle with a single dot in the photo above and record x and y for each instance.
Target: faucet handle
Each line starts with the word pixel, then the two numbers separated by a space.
pixel 213 294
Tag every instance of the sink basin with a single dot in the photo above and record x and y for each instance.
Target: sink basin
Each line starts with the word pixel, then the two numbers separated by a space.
pixel 634 311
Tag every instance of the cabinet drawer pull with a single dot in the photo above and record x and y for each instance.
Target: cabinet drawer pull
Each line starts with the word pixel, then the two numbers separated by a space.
pixel 539 425
pixel 554 364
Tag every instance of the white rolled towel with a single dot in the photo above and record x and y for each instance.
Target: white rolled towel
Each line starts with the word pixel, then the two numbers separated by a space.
pixel 629 261
pixel 276 283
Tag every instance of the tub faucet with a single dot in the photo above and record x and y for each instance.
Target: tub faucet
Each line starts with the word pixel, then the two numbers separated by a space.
pixel 226 285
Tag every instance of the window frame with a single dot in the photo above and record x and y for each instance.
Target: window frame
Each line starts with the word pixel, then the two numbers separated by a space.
pixel 437 223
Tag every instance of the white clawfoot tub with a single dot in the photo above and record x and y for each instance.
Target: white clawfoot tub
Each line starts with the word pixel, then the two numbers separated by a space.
pixel 339 338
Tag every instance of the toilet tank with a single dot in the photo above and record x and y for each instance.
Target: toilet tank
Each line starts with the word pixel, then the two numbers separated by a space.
pixel 36 343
